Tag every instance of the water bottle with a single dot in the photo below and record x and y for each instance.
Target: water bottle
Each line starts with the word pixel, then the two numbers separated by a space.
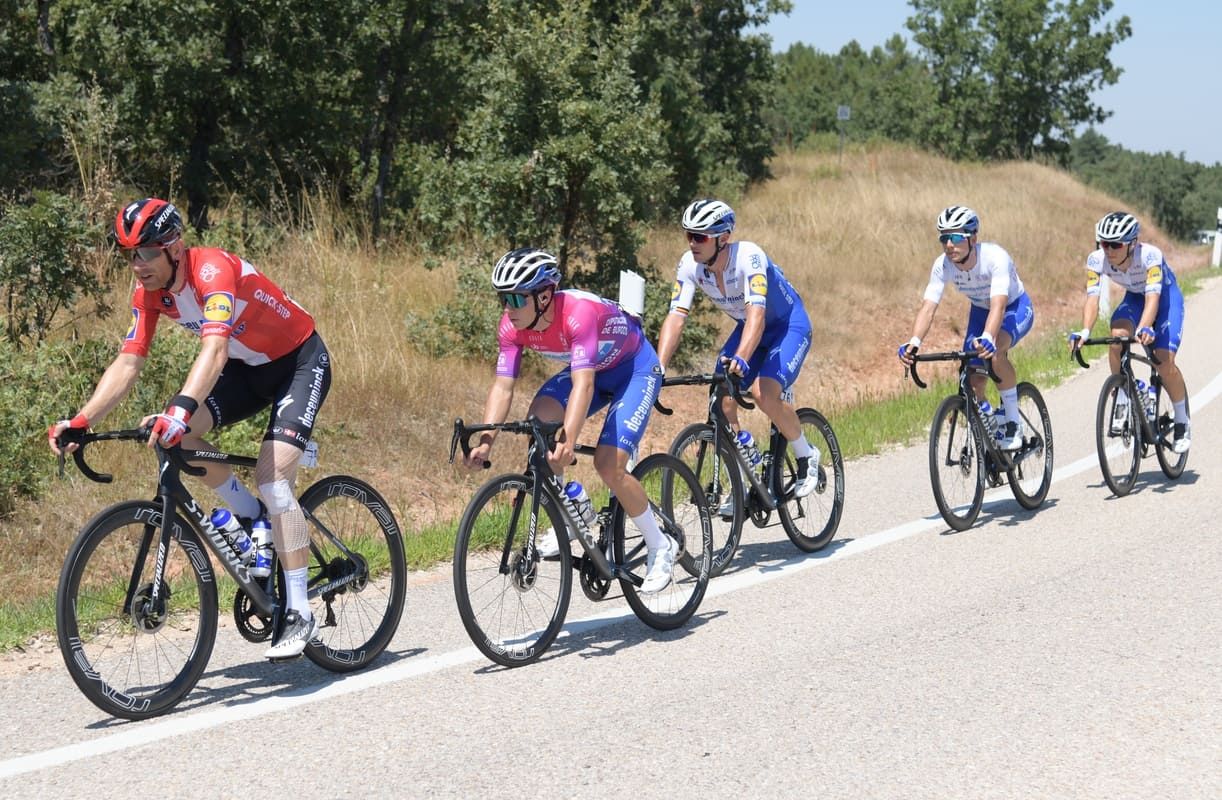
pixel 228 524
pixel 1149 400
pixel 986 413
pixel 746 446
pixel 576 493
pixel 261 541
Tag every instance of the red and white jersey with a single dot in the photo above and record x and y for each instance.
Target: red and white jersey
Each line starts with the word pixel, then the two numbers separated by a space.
pixel 223 296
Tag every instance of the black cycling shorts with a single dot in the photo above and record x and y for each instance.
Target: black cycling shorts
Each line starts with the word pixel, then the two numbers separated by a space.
pixel 294 385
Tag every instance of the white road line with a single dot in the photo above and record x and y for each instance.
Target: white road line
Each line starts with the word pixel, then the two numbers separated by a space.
pixel 153 731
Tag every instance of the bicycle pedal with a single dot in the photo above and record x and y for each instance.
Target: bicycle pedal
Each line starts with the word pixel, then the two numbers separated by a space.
pixel 287 659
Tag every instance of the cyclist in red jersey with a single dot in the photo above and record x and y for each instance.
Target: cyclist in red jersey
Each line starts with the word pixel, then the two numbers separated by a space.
pixel 258 348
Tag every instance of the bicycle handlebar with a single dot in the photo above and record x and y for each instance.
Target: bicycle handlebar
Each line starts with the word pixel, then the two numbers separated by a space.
pixel 1124 341
pixel 962 356
pixel 732 384
pixel 543 432
pixel 84 439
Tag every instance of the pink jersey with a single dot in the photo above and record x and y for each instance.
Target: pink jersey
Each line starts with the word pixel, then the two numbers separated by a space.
pixel 223 296
pixel 587 331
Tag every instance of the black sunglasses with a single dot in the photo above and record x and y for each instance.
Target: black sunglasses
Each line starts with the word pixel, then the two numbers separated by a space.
pixel 1112 245
pixel 145 253
pixel 699 238
pixel 513 299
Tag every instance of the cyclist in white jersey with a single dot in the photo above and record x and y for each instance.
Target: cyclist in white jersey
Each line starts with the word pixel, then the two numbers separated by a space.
pixel 772 336
pixel 1000 315
pixel 1153 306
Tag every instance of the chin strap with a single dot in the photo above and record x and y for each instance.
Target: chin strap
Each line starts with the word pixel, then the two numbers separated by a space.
pixel 717 248
pixel 540 309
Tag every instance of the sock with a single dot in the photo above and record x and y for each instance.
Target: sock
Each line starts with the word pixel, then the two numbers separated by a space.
pixel 1009 401
pixel 238 498
pixel 298 594
pixel 1181 411
pixel 647 524
pixel 801 447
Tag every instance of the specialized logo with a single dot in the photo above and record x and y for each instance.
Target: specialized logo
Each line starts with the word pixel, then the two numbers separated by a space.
pixel 218 307
pixel 759 285
pixel 131 331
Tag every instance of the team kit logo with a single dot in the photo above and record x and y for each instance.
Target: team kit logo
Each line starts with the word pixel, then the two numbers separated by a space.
pixel 218 307
pixel 759 285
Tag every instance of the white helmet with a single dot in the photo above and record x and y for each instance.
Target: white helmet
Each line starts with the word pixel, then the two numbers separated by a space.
pixel 958 218
pixel 1118 226
pixel 524 270
pixel 708 216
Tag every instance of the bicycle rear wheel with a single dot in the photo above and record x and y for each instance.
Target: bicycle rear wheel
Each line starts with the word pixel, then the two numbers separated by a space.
pixel 716 467
pixel 1118 440
pixel 811 521
pixel 1172 463
pixel 356 543
pixel 1031 476
pixel 511 602
pixel 955 469
pixel 131 659
pixel 678 502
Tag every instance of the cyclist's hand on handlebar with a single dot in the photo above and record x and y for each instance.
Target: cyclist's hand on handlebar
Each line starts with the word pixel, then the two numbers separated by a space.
pixel 77 425
pixel 736 365
pixel 479 457
pixel 1077 337
pixel 171 424
pixel 561 457
pixel 985 345
pixel 907 350
pixel 1145 335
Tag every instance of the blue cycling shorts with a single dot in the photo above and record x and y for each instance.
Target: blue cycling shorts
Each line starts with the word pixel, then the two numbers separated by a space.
pixel 780 353
pixel 1168 325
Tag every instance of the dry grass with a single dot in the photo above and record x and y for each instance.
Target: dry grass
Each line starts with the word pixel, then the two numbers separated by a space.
pixel 856 237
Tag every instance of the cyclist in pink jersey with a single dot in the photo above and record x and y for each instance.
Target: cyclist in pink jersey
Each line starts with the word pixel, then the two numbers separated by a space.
pixel 610 364
pixel 258 349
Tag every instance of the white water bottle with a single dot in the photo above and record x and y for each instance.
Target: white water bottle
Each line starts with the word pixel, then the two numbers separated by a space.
pixel 746 445
pixel 1148 399
pixel 228 525
pixel 261 539
pixel 986 413
pixel 576 493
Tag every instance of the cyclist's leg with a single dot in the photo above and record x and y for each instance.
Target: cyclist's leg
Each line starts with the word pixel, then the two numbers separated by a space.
pixel 775 365
pixel 1168 332
pixel 1017 323
pixel 1124 323
pixel 552 399
pixel 975 326
pixel 728 405
pixel 236 396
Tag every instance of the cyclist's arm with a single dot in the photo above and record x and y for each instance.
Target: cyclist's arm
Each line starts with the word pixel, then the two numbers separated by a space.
pixel 1090 311
pixel 496 409
pixel 574 416
pixel 997 312
pixel 668 338
pixel 924 319
pixel 211 360
pixel 753 331
pixel 1149 313
pixel 113 386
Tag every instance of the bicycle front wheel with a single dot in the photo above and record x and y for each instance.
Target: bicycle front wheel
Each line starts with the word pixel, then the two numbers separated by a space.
pixel 134 657
pixel 678 502
pixel 511 602
pixel 1031 476
pixel 955 469
pixel 811 521
pixel 1172 463
pixel 716 467
pixel 1118 435
pixel 357 572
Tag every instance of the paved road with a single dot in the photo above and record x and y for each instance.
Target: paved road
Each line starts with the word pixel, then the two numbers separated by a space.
pixel 1075 651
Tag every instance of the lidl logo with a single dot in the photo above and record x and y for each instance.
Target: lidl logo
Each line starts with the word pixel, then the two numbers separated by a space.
pixel 1092 278
pixel 218 307
pixel 131 331
pixel 674 291
pixel 1155 275
pixel 759 285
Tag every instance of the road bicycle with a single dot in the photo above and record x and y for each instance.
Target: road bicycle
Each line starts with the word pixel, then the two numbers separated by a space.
pixel 1124 440
pixel 513 602
pixel 963 453
pixel 136 608
pixel 711 450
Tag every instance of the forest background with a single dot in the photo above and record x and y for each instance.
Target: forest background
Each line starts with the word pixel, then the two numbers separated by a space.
pixel 375 158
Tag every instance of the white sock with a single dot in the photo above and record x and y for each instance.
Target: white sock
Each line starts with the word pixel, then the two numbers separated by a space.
pixel 238 498
pixel 801 447
pixel 1181 411
pixel 1009 401
pixel 647 524
pixel 298 594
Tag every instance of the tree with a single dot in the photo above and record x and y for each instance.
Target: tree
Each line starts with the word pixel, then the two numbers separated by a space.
pixel 1015 77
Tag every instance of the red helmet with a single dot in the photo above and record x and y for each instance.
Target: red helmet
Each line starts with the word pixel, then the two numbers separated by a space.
pixel 148 223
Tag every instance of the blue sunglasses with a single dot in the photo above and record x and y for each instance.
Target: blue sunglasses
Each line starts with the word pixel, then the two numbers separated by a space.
pixel 513 299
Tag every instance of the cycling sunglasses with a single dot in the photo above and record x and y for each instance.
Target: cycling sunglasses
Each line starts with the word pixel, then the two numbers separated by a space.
pixel 699 238
pixel 1112 245
pixel 145 253
pixel 956 238
pixel 513 299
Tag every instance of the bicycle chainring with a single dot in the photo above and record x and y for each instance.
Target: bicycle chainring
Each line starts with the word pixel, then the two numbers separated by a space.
pixel 593 585
pixel 253 626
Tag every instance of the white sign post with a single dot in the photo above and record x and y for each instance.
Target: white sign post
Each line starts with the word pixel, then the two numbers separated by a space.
pixel 632 293
pixel 842 114
pixel 1218 241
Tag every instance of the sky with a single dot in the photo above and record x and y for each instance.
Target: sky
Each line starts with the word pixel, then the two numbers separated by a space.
pixel 1168 99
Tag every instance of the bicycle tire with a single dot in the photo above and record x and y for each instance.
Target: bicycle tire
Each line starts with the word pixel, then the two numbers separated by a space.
pixel 1119 447
pixel 955 469
pixel 810 522
pixel 125 660
pixel 1031 476
pixel 678 500
pixel 512 616
pixel 1171 462
pixel 717 470
pixel 358 618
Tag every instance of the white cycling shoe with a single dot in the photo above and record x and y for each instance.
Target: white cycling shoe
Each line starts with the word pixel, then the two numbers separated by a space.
pixel 659 565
